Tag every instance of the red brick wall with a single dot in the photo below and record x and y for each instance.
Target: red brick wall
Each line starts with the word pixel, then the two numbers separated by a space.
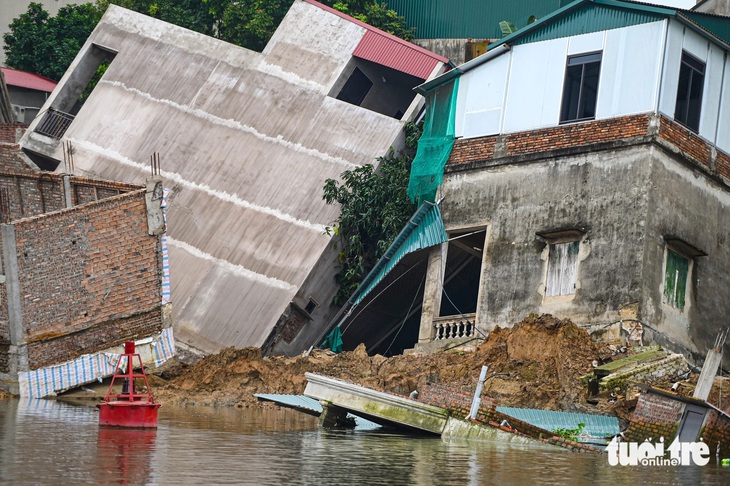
pixel 686 141
pixel 472 150
pixel 577 135
pixel 717 431
pixel 8 131
pixel 655 416
pixel 458 402
pixel 85 269
pixel 32 193
pixel 554 138
pixel 101 336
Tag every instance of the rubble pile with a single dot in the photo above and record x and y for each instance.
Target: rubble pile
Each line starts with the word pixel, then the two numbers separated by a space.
pixel 537 363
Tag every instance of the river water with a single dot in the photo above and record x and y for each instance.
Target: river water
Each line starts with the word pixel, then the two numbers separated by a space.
pixel 48 442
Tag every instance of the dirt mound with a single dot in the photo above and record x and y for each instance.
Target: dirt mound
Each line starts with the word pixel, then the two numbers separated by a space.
pixel 538 362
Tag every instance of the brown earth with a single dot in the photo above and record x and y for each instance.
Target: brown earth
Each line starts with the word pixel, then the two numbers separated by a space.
pixel 539 362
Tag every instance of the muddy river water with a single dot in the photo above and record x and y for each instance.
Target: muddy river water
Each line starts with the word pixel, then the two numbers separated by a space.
pixel 47 442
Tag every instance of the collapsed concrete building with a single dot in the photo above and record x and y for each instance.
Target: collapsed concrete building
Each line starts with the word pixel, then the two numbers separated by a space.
pixel 246 141
pixel 82 272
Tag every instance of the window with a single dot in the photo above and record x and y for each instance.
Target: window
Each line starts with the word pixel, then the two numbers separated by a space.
pixel 580 91
pixel 675 279
pixel 689 92
pixel 356 88
pixel 562 268
pixel 311 305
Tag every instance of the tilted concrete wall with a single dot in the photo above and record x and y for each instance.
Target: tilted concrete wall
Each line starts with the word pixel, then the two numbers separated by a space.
pixel 247 141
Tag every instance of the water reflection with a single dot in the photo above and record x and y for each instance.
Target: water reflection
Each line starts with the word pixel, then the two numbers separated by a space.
pixel 51 443
pixel 124 456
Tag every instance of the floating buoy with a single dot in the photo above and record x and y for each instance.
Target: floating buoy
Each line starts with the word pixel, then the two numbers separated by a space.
pixel 130 408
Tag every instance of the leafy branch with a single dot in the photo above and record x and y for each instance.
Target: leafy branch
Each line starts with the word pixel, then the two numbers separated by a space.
pixel 374 207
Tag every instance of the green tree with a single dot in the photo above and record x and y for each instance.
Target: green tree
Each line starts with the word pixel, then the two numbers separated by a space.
pixel 191 14
pixel 374 207
pixel 39 43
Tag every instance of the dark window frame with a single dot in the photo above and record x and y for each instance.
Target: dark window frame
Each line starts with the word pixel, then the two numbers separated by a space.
pixel 690 89
pixel 580 87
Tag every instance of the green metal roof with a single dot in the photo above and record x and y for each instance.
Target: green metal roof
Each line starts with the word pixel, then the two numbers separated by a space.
pixel 584 17
pixel 715 24
pixel 475 19
pixel 424 229
pixel 595 425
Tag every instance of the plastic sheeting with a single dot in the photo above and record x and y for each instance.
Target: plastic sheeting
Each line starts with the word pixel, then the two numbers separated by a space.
pixel 90 367
pixel 435 144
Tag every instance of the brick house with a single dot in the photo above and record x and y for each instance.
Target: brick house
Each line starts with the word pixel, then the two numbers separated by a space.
pixel 589 176
pixel 82 272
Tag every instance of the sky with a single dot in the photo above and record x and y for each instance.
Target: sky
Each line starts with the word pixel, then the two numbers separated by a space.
pixel 686 4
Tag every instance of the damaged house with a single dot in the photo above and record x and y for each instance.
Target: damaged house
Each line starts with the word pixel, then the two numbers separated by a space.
pixel 589 176
pixel 82 272
pixel 586 173
pixel 246 142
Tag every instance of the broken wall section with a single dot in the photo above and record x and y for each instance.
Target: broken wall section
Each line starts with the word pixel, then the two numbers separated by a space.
pixel 76 280
pixel 87 278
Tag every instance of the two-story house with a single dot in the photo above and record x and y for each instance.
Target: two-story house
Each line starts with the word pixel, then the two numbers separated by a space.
pixel 589 176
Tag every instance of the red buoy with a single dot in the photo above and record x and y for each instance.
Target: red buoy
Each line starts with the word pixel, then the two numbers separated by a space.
pixel 130 408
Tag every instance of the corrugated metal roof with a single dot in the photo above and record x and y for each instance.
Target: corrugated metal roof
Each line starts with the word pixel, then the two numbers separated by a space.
pixel 424 229
pixel 23 79
pixel 311 406
pixel 462 19
pixel 715 24
pixel 595 425
pixel 298 402
pixel 389 50
pixel 380 49
pixel 591 18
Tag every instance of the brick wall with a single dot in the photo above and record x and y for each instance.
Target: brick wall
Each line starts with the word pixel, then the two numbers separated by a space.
pixel 457 401
pixel 4 355
pixel 554 138
pixel 655 416
pixel 8 131
pixel 697 150
pixel 658 416
pixel 100 336
pixel 685 140
pixel 717 431
pixel 85 269
pixel 32 193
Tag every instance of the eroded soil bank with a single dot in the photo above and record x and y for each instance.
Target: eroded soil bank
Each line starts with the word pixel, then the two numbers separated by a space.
pixel 540 361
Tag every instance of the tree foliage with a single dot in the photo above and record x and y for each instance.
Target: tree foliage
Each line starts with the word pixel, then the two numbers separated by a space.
pixel 374 207
pixel 191 14
pixel 45 45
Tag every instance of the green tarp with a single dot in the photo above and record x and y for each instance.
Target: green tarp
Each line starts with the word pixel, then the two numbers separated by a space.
pixel 435 144
pixel 333 340
pixel 423 230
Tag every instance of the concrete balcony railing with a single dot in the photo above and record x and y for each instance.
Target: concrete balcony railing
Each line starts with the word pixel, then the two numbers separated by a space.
pixel 454 327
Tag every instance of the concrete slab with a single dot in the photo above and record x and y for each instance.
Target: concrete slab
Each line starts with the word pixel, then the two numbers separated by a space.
pixel 382 408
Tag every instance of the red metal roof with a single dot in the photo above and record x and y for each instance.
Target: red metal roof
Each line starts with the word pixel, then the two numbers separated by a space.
pixel 388 50
pixel 23 79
